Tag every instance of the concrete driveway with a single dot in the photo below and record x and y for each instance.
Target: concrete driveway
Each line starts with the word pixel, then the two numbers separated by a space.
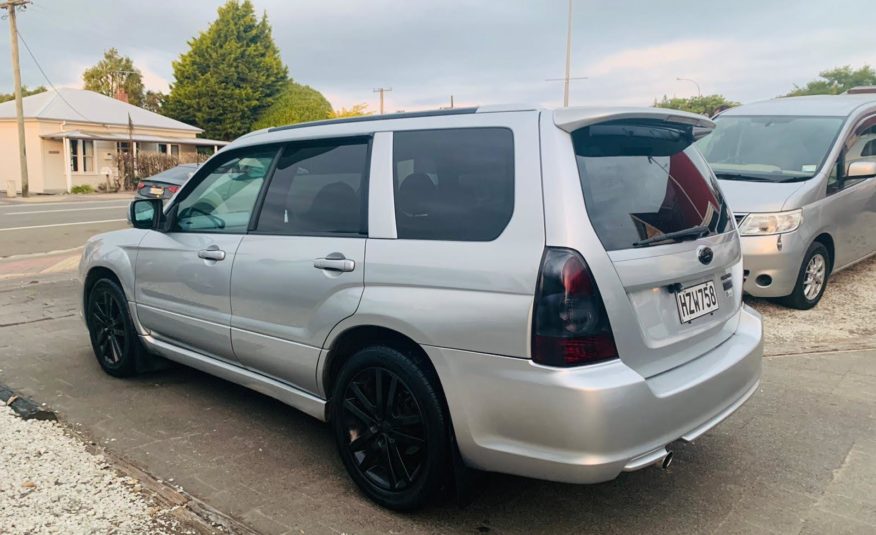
pixel 800 457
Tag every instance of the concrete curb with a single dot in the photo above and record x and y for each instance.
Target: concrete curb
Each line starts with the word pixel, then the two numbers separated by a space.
pixel 23 407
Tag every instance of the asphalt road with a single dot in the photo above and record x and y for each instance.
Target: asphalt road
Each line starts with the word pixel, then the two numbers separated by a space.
pixel 40 227
pixel 799 457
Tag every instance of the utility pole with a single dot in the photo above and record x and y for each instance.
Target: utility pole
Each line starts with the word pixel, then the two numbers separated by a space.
pixel 568 59
pixel 451 102
pixel 382 90
pixel 10 6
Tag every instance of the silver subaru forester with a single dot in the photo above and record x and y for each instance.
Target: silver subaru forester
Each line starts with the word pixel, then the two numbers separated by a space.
pixel 553 294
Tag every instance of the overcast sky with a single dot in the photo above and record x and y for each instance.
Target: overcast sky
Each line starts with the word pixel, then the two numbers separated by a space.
pixel 482 52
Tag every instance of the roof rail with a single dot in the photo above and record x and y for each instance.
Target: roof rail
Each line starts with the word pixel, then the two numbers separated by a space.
pixel 365 118
pixel 861 89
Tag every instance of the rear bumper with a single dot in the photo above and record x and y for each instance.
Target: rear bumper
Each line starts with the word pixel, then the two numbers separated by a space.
pixel 762 258
pixel 588 425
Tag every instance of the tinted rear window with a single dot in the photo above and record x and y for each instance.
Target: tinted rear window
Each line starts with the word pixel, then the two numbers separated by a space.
pixel 453 184
pixel 640 180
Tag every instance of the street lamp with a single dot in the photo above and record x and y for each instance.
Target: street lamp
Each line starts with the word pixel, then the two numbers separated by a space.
pixel 694 82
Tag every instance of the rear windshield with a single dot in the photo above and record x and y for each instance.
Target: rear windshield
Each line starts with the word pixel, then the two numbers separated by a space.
pixel 644 180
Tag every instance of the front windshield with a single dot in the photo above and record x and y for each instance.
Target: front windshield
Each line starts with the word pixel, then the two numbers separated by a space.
pixel 769 148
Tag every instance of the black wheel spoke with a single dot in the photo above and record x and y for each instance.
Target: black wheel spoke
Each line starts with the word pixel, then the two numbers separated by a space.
pixel 378 387
pixel 358 413
pixel 357 391
pixel 401 462
pixel 406 438
pixel 362 441
pixel 116 349
pixel 390 469
pixel 390 397
pixel 413 419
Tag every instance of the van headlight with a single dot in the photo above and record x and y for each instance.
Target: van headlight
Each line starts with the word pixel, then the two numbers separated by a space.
pixel 775 223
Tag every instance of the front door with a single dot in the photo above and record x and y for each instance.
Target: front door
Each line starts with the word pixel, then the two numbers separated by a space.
pixel 183 276
pixel 300 271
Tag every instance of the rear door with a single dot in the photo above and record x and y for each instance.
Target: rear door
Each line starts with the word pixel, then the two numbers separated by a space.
pixel 669 300
pixel 300 270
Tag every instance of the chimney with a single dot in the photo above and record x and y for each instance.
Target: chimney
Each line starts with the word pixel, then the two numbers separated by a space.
pixel 121 95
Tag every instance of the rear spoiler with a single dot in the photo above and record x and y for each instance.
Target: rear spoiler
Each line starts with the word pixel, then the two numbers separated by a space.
pixel 571 119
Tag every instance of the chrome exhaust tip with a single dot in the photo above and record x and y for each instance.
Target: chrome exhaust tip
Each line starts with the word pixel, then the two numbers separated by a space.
pixel 666 461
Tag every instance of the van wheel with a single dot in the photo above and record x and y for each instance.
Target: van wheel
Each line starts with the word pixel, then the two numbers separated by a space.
pixel 812 279
pixel 113 337
pixel 390 428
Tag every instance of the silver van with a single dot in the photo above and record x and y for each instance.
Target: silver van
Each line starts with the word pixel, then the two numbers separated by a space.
pixel 553 294
pixel 799 175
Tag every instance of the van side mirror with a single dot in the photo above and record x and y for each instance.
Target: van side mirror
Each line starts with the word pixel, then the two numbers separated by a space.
pixel 861 169
pixel 145 213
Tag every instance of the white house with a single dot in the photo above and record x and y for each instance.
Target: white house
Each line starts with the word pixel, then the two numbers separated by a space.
pixel 73 136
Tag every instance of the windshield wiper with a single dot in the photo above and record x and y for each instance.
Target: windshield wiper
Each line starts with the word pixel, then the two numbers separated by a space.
pixel 742 176
pixel 678 235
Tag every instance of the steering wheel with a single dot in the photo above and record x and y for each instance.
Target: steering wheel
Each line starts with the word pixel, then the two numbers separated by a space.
pixel 217 221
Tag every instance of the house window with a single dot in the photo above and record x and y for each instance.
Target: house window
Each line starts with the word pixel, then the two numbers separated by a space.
pixel 174 151
pixel 81 156
pixel 170 150
pixel 162 148
pixel 74 155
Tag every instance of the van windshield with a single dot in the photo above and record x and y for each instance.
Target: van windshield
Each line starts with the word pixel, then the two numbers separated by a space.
pixel 645 184
pixel 767 148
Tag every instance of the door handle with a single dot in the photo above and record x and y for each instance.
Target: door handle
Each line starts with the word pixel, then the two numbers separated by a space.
pixel 335 262
pixel 212 252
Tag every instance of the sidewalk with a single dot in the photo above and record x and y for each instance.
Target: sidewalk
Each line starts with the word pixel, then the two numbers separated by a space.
pixel 31 265
pixel 67 197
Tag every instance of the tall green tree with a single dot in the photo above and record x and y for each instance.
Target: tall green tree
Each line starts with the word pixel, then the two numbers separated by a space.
pixel 115 72
pixel 837 80
pixel 707 105
pixel 25 92
pixel 295 104
pixel 231 73
pixel 154 101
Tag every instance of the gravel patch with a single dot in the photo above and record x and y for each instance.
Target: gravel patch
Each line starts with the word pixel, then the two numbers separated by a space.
pixel 842 320
pixel 50 483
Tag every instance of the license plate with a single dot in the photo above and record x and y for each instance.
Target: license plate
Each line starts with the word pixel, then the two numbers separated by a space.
pixel 696 301
pixel 156 191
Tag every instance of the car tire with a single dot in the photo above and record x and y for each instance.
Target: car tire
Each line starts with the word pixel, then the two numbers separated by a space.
pixel 114 339
pixel 394 445
pixel 811 279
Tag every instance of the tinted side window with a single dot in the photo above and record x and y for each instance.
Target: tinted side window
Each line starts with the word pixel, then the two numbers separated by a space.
pixel 454 184
pixel 222 201
pixel 318 188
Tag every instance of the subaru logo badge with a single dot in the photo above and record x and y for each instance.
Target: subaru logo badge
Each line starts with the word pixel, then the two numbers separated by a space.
pixel 705 255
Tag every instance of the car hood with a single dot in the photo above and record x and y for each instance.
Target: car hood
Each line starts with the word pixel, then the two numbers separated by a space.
pixel 746 197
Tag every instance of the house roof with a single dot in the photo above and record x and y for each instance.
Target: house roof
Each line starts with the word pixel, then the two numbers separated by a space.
pixel 80 105
pixel 106 136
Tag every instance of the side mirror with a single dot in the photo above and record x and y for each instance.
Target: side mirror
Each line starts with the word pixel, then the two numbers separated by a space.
pixel 145 213
pixel 861 169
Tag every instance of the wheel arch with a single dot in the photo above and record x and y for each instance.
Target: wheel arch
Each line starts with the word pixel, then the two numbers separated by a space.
pixel 827 240
pixel 347 340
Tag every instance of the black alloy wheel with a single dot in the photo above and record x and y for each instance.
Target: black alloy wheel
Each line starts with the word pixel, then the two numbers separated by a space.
pixel 112 333
pixel 390 427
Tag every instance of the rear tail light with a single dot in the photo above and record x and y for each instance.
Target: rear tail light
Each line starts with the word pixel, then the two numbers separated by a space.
pixel 141 185
pixel 173 189
pixel 570 326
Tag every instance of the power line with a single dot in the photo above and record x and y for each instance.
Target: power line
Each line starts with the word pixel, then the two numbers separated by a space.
pixel 33 57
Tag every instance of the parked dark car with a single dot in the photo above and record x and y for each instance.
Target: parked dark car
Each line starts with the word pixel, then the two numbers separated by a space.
pixel 166 183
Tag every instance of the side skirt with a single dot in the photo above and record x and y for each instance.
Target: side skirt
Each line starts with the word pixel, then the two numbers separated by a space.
pixel 289 395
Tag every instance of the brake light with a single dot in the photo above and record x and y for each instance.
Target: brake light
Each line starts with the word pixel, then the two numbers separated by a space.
pixel 141 185
pixel 173 189
pixel 569 326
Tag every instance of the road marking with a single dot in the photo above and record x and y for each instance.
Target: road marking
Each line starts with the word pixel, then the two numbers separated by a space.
pixel 67 203
pixel 67 210
pixel 63 224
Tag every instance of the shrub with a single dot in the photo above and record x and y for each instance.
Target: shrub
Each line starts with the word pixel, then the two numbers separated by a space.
pixel 82 188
